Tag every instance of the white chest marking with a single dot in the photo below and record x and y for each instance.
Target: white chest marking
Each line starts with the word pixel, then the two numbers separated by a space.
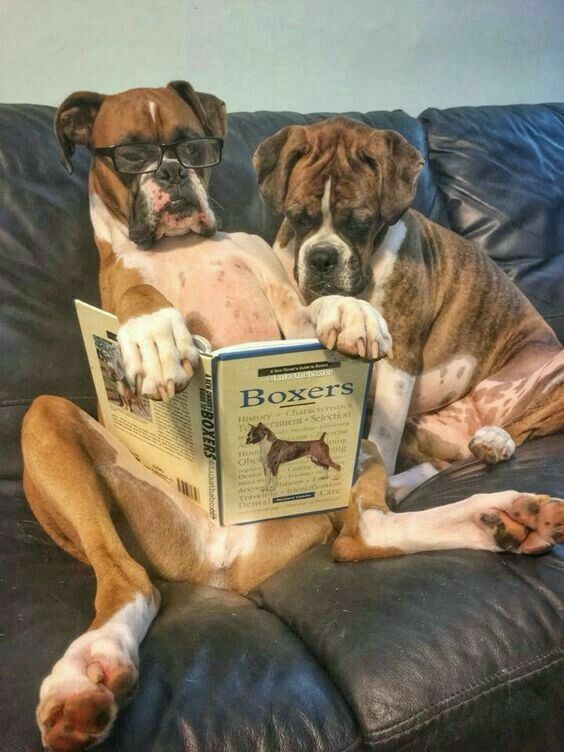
pixel 153 110
pixel 384 259
pixel 265 447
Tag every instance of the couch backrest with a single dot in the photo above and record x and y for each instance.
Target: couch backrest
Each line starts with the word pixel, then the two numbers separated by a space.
pixel 501 174
pixel 48 257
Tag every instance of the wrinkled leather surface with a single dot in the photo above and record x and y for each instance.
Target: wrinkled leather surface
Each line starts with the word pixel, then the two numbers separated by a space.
pixel 47 258
pixel 501 173
pixel 443 651
pixel 455 651
pixel 217 673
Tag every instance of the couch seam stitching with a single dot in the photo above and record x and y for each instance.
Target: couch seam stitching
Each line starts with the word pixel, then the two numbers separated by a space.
pixel 395 729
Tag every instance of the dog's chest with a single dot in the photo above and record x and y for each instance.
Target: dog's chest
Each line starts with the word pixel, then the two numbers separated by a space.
pixel 211 283
pixel 265 447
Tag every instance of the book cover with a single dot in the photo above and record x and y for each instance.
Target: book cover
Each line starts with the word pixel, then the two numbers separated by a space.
pixel 263 430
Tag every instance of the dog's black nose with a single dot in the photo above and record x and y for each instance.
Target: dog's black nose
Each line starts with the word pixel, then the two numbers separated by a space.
pixel 172 173
pixel 323 258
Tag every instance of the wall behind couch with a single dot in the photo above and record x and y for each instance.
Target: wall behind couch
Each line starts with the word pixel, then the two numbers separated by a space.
pixel 303 55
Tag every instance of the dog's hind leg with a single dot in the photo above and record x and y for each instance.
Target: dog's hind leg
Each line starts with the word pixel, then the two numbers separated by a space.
pixel 74 475
pixel 545 416
pixel 505 521
pixel 515 407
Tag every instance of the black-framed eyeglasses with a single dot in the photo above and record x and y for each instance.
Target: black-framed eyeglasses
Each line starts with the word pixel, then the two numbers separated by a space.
pixel 137 158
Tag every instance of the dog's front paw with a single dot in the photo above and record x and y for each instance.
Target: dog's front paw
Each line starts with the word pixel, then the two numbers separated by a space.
pixel 492 444
pixel 352 327
pixel 158 352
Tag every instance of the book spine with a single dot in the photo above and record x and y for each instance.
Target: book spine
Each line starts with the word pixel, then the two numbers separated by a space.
pixel 209 439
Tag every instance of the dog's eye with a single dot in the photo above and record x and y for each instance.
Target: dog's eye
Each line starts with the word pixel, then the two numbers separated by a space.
pixel 299 217
pixel 369 161
pixel 355 225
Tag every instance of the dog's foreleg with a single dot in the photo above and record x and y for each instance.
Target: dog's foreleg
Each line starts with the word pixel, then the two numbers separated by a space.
pixel 267 479
pixel 159 355
pixel 351 326
pixel 392 396
pixel 404 483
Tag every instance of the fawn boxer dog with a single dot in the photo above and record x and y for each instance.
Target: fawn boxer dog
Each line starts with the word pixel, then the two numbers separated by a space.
pixel 474 369
pixel 165 272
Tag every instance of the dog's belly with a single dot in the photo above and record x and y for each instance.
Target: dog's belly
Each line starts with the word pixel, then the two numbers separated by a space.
pixel 211 283
pixel 442 385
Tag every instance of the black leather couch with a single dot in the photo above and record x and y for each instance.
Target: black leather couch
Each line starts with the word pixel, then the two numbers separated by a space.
pixel 440 652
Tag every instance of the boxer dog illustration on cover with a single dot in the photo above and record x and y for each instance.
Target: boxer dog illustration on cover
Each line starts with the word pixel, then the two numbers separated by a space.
pixel 165 272
pixel 274 452
pixel 475 370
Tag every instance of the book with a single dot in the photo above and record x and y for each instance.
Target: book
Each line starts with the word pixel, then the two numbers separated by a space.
pixel 263 430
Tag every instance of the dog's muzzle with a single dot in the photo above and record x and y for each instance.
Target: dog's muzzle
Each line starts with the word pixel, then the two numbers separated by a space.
pixel 173 201
pixel 322 259
pixel 328 270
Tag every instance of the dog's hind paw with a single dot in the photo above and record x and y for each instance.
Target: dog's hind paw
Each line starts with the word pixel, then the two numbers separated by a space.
pixel 78 701
pixel 492 444
pixel 530 524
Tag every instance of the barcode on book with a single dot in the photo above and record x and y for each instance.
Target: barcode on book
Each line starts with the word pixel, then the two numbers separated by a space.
pixel 188 489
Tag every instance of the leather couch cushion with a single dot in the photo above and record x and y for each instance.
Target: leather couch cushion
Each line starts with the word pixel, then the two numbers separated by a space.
pixel 456 650
pixel 501 173
pixel 217 672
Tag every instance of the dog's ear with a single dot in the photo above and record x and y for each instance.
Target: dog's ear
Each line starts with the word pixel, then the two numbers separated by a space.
pixel 274 161
pixel 74 121
pixel 209 109
pixel 399 164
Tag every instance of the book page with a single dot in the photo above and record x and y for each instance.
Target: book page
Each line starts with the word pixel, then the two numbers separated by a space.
pixel 165 437
pixel 289 427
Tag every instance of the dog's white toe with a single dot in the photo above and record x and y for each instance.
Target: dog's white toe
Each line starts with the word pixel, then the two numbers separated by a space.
pixel 158 352
pixel 492 444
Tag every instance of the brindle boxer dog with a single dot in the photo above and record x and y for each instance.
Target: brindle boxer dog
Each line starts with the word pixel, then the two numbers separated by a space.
pixel 230 288
pixel 475 369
